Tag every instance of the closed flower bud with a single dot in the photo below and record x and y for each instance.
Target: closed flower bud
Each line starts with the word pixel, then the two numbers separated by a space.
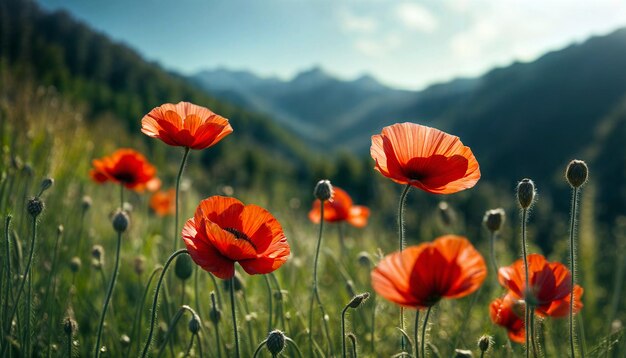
pixel 463 353
pixel 45 185
pixel 526 193
pixel 358 299
pixel 364 259
pixel 494 219
pixel 323 190
pixel 35 206
pixel 97 252
pixel 69 326
pixel 183 267
pixel 120 221
pixel 577 173
pixel 139 265
pixel 86 203
pixel 194 324
pixel 125 340
pixel 75 264
pixel 484 343
pixel 275 342
pixel 239 284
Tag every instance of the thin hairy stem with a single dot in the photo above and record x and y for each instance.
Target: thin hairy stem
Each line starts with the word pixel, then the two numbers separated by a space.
pixel 217 327
pixel 178 177
pixel 401 202
pixel 109 294
pixel 343 331
pixel 137 320
pixel 572 262
pixel 526 286
pixel 492 252
pixel 234 314
pixel 424 332
pixel 533 339
pixel 24 279
pixel 314 294
pixel 269 302
pixel 156 299
pixel 258 348
pixel 415 331
pixel 294 345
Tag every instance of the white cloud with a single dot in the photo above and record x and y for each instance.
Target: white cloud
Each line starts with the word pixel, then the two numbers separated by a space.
pixel 378 47
pixel 416 17
pixel 352 22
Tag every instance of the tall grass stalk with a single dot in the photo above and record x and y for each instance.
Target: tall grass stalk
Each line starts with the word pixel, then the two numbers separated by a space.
pixel 7 282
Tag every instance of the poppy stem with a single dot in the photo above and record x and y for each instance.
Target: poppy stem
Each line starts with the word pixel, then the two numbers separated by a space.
pixel 415 330
pixel 532 332
pixel 259 347
pixel 295 346
pixel 178 177
pixel 156 299
pixel 215 319
pixel 492 250
pixel 572 258
pixel 424 332
pixel 269 302
pixel 403 196
pixel 109 293
pixel 121 197
pixel 234 314
pixel 5 308
pixel 137 321
pixel 315 295
pixel 24 279
pixel 526 287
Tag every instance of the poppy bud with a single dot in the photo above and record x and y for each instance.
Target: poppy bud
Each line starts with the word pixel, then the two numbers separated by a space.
pixel 577 173
pixel 86 203
pixel 323 190
pixel 75 264
pixel 358 299
pixel 364 259
pixel 494 219
pixel 484 343
pixel 525 193
pixel 35 206
pixel 28 169
pixel 275 342
pixel 139 265
pixel 239 284
pixel 45 185
pixel 120 221
pixel 125 340
pixel 463 353
pixel 446 214
pixel 194 324
pixel 184 267
pixel 69 326
pixel 97 252
pixel 214 314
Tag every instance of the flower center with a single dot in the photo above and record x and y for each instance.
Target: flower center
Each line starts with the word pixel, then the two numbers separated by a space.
pixel 125 177
pixel 240 236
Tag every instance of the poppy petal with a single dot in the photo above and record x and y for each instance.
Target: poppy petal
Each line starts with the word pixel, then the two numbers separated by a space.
pixel 206 255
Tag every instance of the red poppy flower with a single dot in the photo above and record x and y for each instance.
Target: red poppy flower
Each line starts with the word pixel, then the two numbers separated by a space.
pixel 125 166
pixel 420 276
pixel 550 285
pixel 224 231
pixel 164 202
pixel 185 125
pixel 424 157
pixel 340 208
pixel 508 312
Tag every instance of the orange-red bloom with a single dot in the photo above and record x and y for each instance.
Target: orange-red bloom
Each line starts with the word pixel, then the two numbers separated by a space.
pixel 550 285
pixel 508 312
pixel 125 166
pixel 424 157
pixel 340 208
pixel 164 202
pixel 420 276
pixel 185 125
pixel 224 231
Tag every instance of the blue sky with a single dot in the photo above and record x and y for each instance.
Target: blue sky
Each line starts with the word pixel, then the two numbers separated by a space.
pixel 407 44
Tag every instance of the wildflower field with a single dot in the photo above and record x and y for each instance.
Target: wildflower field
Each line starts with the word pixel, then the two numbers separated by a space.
pixel 142 217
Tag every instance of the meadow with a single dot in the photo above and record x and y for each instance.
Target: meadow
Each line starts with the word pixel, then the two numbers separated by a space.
pixel 62 226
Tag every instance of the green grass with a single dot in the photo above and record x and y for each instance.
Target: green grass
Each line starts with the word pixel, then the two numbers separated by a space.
pixel 50 138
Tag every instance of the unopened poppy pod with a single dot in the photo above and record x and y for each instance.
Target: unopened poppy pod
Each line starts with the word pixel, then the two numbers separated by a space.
pixel 424 157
